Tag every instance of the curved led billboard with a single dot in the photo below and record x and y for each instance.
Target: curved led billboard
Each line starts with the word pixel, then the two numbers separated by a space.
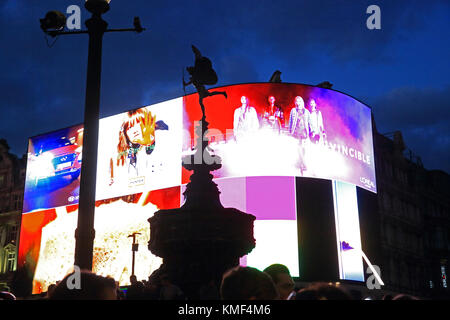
pixel 266 134
pixel 277 129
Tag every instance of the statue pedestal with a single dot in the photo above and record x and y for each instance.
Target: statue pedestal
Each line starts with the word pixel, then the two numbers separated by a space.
pixel 201 240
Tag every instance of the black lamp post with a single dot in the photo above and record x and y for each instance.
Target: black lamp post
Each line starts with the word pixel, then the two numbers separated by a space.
pixel 134 249
pixel 52 24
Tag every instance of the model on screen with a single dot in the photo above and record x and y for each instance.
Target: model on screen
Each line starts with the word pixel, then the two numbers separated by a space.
pixel 273 116
pixel 299 120
pixel 245 119
pixel 136 141
pixel 317 133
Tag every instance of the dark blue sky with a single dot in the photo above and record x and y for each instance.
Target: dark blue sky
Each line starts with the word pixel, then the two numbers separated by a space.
pixel 401 71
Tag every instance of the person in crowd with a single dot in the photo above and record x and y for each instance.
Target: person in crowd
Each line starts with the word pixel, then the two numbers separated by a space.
pixel 405 297
pixel 273 116
pixel 282 279
pixel 247 283
pixel 387 297
pixel 168 290
pixel 135 290
pixel 209 291
pixel 50 290
pixel 5 295
pixel 89 287
pixel 120 294
pixel 245 119
pixel 323 291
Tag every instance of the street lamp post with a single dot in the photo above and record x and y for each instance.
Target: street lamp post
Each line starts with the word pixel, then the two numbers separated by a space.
pixel 134 249
pixel 85 233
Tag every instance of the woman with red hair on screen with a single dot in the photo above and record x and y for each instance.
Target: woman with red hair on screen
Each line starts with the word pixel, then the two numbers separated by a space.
pixel 136 140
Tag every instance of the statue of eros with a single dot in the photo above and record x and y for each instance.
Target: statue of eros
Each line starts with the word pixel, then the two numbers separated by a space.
pixel 202 74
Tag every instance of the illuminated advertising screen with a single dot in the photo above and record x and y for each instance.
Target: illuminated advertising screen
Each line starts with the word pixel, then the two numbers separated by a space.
pixel 53 169
pixel 266 134
pixel 288 130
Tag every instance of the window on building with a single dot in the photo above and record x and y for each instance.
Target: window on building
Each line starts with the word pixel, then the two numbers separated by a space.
pixel 11 234
pixel 11 261
pixel 17 202
pixel 2 180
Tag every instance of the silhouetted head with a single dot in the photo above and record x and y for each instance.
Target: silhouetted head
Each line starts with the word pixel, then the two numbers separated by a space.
pixel 404 297
pixel 50 289
pixel 323 291
pixel 90 287
pixel 5 295
pixel 282 278
pixel 247 283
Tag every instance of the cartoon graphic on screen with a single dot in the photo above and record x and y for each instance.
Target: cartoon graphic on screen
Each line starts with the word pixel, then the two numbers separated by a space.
pixel 245 119
pixel 299 120
pixel 273 116
pixel 136 141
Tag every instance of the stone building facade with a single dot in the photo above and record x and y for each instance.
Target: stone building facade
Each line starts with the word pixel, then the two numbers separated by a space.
pixel 12 178
pixel 413 208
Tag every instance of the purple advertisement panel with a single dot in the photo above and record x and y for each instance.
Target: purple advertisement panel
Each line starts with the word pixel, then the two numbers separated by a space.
pixel 272 201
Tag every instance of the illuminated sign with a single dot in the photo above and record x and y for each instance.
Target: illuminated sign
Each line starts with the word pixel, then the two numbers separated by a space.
pixel 266 134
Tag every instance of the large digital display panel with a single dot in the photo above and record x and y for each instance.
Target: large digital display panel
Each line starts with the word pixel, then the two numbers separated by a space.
pixel 348 235
pixel 47 243
pixel 264 129
pixel 266 134
pixel 53 169
pixel 277 129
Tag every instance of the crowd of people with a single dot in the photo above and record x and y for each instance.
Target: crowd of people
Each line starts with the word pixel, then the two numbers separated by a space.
pixel 239 283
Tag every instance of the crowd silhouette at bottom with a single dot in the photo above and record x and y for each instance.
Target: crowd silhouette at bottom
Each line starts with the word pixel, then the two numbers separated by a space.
pixel 238 283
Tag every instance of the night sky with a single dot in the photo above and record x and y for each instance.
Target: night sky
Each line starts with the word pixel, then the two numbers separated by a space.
pixel 402 71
